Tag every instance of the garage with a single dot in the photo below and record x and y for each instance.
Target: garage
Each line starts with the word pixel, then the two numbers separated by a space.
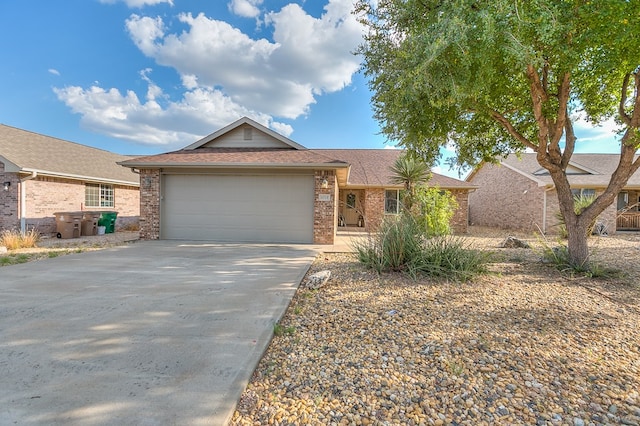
pixel 262 208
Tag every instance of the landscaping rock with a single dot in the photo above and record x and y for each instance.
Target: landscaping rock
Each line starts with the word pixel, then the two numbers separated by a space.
pixel 513 242
pixel 317 280
pixel 3 250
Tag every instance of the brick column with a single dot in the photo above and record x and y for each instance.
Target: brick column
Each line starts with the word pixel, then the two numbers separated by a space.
pixel 324 207
pixel 373 208
pixel 460 219
pixel 9 200
pixel 149 204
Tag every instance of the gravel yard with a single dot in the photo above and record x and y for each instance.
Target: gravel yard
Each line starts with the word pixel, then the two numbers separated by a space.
pixel 523 345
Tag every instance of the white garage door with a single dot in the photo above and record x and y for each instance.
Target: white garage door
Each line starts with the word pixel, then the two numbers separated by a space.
pixel 238 208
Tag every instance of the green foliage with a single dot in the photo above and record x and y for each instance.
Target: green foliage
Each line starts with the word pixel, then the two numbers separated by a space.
pixel 280 330
pixel 440 71
pixel 410 172
pixel 580 202
pixel 558 256
pixel 395 245
pixel 433 210
pixel 400 246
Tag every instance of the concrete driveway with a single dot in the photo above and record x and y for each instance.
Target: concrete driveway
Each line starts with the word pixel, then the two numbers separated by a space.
pixel 154 333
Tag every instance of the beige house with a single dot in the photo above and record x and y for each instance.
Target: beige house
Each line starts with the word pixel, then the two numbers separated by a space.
pixel 517 193
pixel 247 183
pixel 42 175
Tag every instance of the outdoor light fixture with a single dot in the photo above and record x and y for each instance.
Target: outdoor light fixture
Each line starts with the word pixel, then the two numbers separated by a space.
pixel 6 185
pixel 325 183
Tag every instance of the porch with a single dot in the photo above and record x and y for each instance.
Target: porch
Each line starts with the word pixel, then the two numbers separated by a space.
pixel 628 221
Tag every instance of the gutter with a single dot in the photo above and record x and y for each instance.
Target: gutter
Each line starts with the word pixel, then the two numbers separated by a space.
pixel 23 200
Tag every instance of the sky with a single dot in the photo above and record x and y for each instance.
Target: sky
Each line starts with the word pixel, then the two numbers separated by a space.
pixel 141 77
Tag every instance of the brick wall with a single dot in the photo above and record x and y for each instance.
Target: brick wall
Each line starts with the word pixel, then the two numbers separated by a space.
pixel 149 204
pixel 460 219
pixel 47 195
pixel 505 199
pixel 373 208
pixel 9 218
pixel 325 212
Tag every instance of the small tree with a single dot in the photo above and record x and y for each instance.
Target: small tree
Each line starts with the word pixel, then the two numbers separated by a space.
pixel 501 76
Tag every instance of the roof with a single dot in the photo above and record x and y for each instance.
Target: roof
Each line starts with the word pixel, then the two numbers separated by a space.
pixel 584 171
pixel 28 152
pixel 238 123
pixel 237 157
pixel 372 168
pixel 226 148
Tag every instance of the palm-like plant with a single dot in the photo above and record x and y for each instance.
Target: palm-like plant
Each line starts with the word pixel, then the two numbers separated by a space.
pixel 410 172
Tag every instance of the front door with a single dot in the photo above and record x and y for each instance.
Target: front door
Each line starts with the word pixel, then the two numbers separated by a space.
pixel 351 207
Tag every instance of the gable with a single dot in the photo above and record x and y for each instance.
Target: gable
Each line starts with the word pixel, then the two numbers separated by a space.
pixel 245 136
pixel 572 169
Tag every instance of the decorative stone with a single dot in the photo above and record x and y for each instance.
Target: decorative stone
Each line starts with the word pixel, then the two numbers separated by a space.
pixel 317 280
pixel 3 250
pixel 513 242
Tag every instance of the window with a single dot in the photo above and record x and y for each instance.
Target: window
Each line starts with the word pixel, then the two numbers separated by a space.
pixel 98 195
pixel 583 192
pixel 351 200
pixel 391 201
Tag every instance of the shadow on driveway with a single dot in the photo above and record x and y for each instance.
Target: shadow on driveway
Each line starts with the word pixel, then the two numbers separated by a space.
pixel 153 333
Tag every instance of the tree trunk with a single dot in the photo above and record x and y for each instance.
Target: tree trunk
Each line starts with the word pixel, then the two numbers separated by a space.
pixel 577 231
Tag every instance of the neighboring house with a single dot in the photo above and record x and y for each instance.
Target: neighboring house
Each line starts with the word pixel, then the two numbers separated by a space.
pixel 247 183
pixel 42 175
pixel 518 193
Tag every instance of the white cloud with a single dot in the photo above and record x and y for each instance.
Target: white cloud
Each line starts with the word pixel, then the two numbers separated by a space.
pixel 602 138
pixel 226 73
pixel 175 125
pixel 245 8
pixel 138 3
pixel 53 71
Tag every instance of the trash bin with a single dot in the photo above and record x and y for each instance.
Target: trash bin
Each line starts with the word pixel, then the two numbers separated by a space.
pixel 90 223
pixel 108 220
pixel 68 224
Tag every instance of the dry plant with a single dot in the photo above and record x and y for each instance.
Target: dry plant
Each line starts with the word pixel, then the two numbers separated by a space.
pixel 14 239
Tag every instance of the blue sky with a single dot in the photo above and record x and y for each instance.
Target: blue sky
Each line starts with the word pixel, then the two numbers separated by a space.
pixel 149 76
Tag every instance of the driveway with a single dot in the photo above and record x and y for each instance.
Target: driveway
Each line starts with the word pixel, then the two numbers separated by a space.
pixel 154 333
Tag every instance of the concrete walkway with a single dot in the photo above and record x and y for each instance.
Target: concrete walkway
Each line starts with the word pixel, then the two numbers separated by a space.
pixel 153 333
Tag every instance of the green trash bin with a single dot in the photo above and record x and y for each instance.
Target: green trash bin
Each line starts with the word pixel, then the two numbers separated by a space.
pixel 108 220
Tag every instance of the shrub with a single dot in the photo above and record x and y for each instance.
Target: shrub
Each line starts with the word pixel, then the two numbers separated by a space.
pixel 401 246
pixel 14 239
pixel 433 210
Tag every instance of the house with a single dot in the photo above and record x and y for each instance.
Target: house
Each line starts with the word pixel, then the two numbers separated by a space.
pixel 518 193
pixel 42 175
pixel 247 183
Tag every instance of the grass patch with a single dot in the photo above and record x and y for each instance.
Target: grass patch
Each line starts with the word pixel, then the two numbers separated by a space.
pixel 280 330
pixel 558 256
pixel 14 239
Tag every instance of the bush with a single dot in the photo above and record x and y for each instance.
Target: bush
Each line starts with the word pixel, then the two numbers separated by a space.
pixel 13 240
pixel 401 246
pixel 433 210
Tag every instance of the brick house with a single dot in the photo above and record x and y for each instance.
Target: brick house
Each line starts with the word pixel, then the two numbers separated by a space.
pixel 518 193
pixel 42 175
pixel 247 183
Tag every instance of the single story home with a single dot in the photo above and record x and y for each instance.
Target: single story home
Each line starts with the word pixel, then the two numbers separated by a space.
pixel 247 183
pixel 518 193
pixel 41 175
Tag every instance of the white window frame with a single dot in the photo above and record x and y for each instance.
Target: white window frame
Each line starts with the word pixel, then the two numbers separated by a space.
pixel 103 196
pixel 580 192
pixel 387 199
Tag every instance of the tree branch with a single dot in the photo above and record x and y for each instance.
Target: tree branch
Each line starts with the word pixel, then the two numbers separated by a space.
pixel 538 98
pixel 570 144
pixel 512 130
pixel 623 100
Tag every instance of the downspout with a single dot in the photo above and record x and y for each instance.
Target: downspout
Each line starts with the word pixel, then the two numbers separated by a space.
pixel 23 201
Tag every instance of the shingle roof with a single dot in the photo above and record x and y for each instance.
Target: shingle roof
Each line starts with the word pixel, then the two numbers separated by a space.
pixel 26 151
pixel 229 157
pixel 372 167
pixel 598 169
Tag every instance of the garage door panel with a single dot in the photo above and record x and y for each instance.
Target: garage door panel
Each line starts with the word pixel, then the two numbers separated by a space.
pixel 277 208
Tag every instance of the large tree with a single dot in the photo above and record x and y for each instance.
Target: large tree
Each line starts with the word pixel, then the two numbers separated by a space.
pixel 498 76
